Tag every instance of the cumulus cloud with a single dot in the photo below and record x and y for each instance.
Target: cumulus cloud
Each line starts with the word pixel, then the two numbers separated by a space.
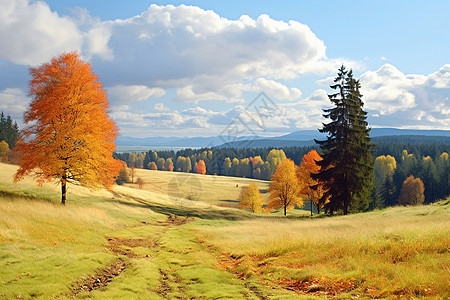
pixel 13 102
pixel 197 52
pixel 31 33
pixel 202 56
pixel 276 90
pixel 119 107
pixel 160 107
pixel 96 42
pixel 391 98
pixel 177 123
pixel 205 56
pixel 133 93
pixel 387 90
pixel 407 100
pixel 307 112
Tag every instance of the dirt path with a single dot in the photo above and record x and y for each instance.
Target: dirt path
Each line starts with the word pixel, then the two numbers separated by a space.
pixel 162 253
pixel 176 285
pixel 122 247
pixel 100 278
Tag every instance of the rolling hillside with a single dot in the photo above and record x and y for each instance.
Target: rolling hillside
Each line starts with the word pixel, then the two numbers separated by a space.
pixel 147 244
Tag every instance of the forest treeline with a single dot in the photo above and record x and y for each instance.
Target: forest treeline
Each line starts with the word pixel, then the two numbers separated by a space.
pixel 429 162
pixel 9 133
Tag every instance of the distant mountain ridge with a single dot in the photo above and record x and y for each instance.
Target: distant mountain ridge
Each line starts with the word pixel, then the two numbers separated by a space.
pixel 296 138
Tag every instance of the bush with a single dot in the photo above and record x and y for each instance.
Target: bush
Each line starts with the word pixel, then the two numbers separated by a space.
pixel 412 192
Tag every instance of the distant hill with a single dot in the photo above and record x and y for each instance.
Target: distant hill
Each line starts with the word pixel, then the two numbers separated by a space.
pixel 412 139
pixel 301 135
pixel 267 143
pixel 174 141
pixel 375 132
pixel 297 138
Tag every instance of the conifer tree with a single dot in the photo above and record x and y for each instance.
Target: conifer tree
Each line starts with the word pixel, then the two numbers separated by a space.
pixel 347 165
pixel 9 131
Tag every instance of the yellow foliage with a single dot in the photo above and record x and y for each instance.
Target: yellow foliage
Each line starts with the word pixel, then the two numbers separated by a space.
pixel 251 198
pixel 386 165
pixel 285 188
pixel 4 150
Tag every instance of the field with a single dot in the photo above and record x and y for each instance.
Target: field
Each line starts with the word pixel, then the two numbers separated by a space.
pixel 187 188
pixel 218 190
pixel 156 244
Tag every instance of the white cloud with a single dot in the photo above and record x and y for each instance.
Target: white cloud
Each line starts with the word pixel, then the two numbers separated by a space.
pixel 96 42
pixel 440 79
pixel 317 100
pixel 119 107
pixel 197 52
pixel 326 82
pixel 198 111
pixel 31 33
pixel 13 102
pixel 160 107
pixel 159 120
pixel 387 90
pixel 307 112
pixel 133 93
pixel 203 55
pixel 276 90
pixel 396 99
pixel 187 94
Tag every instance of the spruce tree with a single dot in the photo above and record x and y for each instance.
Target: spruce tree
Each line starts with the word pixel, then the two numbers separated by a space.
pixel 9 131
pixel 347 165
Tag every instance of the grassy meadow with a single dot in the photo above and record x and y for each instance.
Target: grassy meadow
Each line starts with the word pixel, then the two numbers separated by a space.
pixel 188 188
pixel 217 190
pixel 161 244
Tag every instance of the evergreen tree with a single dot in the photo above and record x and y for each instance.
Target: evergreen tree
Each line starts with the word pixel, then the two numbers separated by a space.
pixel 443 164
pixel 347 156
pixel 389 192
pixel 430 178
pixel 9 131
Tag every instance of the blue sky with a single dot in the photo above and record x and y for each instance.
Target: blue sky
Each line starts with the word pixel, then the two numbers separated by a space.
pixel 192 68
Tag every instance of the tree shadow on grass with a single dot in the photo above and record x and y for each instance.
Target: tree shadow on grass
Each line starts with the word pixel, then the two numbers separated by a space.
pixel 14 195
pixel 183 211
pixel 230 201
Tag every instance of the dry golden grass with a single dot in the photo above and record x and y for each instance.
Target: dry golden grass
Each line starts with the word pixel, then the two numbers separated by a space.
pixel 402 250
pixel 45 247
pixel 206 188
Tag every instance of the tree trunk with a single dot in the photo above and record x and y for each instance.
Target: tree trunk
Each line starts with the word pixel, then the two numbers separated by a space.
pixel 285 210
pixel 311 207
pixel 63 190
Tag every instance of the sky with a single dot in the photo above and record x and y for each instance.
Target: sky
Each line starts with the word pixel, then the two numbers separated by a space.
pixel 205 68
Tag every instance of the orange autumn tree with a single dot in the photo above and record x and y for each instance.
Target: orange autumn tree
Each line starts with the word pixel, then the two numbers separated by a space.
pixel 412 192
pixel 68 136
pixel 312 189
pixel 201 167
pixel 285 188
